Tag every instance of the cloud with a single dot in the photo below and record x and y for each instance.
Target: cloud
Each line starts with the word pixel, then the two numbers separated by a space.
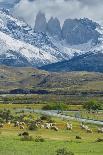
pixel 8 3
pixel 62 9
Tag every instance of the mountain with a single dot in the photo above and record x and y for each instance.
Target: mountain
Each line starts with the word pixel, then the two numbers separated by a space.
pixel 40 23
pixel 19 42
pixel 22 45
pixel 73 31
pixel 92 62
pixel 79 31
pixel 53 27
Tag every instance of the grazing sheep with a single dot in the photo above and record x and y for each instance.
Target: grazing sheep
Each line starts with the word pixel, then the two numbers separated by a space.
pixel 21 127
pixel 69 126
pixel 89 131
pixel 42 126
pixel 22 123
pixel 100 130
pixel 1 125
pixel 9 122
pixel 16 124
pixel 47 125
pixel 54 128
pixel 82 126
pixel 85 127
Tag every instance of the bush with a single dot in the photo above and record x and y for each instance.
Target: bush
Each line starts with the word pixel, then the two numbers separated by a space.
pixel 23 134
pixel 27 138
pixel 45 118
pixel 92 105
pixel 39 139
pixel 78 137
pixel 33 127
pixel 99 140
pixel 1 120
pixel 63 151
pixel 60 106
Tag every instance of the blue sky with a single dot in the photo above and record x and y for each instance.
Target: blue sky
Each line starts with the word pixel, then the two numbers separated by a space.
pixel 62 9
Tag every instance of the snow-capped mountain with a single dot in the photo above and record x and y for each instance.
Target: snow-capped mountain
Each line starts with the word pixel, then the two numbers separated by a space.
pixel 20 45
pixel 16 36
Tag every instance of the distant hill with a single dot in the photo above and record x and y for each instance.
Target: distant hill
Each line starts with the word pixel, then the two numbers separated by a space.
pixel 28 80
pixel 87 62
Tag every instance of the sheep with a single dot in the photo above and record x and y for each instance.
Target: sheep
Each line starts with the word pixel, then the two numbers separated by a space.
pixel 16 124
pixel 1 125
pixel 100 130
pixel 47 125
pixel 22 123
pixel 86 127
pixel 82 126
pixel 9 122
pixel 54 128
pixel 42 126
pixel 21 127
pixel 69 126
pixel 89 130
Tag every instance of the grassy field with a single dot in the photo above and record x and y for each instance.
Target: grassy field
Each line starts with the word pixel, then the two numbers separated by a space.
pixel 70 87
pixel 11 143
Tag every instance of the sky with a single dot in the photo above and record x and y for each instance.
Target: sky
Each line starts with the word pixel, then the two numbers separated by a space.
pixel 63 9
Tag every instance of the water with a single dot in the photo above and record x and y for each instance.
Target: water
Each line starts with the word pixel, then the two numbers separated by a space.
pixel 62 115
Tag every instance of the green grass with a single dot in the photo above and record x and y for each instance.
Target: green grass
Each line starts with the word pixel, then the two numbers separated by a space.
pixel 11 144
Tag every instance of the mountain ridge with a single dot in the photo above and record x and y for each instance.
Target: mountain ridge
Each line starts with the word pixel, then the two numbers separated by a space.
pixel 22 46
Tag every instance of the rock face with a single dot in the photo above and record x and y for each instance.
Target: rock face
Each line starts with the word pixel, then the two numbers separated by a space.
pixel 73 31
pixel 81 31
pixel 40 23
pixel 53 27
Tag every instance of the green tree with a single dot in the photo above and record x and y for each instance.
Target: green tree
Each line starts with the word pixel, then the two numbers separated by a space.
pixel 92 105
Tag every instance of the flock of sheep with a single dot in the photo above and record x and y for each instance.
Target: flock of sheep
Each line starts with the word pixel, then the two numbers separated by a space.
pixel 53 126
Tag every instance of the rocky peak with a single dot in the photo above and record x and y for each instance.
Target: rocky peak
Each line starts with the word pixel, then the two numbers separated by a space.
pixel 40 23
pixel 54 27
pixel 79 31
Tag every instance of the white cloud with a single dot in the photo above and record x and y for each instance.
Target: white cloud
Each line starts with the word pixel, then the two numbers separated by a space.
pixel 62 9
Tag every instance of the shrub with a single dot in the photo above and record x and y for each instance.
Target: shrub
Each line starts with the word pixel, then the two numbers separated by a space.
pixel 39 139
pixel 23 134
pixel 99 140
pixel 78 137
pixel 45 117
pixel 1 120
pixel 60 106
pixel 33 127
pixel 63 151
pixel 27 138
pixel 92 105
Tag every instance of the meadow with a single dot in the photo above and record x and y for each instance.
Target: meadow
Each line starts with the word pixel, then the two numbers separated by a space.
pixel 12 144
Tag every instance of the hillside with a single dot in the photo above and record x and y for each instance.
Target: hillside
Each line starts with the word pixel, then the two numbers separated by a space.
pixel 15 80
pixel 87 62
pixel 21 46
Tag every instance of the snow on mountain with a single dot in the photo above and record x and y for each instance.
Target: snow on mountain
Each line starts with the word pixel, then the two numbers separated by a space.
pixel 21 46
pixel 17 36
pixel 30 52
